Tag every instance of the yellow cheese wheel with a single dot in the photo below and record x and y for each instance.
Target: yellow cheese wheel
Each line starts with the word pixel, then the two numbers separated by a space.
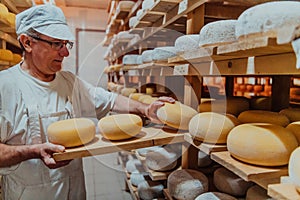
pixel 292 113
pixel 3 9
pixel 11 18
pixel 16 58
pixel 212 127
pixel 6 55
pixel 262 116
pixel 295 128
pixel 257 193
pixel 127 91
pixel 136 95
pixel 260 103
pixel 231 105
pixel 176 115
pixel 143 97
pixel 71 132
pixel 293 168
pixel 261 144
pixel 120 126
pixel 149 100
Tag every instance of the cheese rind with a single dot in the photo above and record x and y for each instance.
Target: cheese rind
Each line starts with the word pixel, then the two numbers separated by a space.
pixel 120 126
pixel 161 159
pixel 176 115
pixel 293 167
pixel 261 144
pixel 212 127
pixel 292 113
pixel 295 128
pixel 215 196
pixel 71 132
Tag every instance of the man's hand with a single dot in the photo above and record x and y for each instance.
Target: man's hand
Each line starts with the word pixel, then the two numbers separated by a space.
pixel 151 110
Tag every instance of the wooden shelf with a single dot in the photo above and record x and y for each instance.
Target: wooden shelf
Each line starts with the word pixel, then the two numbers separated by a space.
pixel 205 147
pixel 152 136
pixel 283 191
pixel 10 39
pixel 262 176
pixel 167 194
pixel 6 27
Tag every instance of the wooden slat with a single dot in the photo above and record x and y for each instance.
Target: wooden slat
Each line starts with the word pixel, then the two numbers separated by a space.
pixel 283 191
pixel 259 175
pixel 164 5
pixel 146 138
pixel 167 194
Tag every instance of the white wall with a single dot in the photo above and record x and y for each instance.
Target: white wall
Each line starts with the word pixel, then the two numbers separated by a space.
pixel 91 62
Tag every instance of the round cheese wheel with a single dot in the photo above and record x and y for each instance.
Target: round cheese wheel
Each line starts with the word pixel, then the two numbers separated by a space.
pixel 134 166
pixel 132 21
pixel 228 182
pixel 147 4
pixel 144 96
pixel 147 56
pixel 176 115
pixel 293 168
pixel 135 96
pixel 144 151
pixel 163 53
pixel 261 144
pixel 218 32
pixel 260 103
pixel 16 58
pixel 3 9
pixel 215 196
pixel 187 43
pixel 130 59
pixel 204 159
pixel 6 55
pixel 11 18
pixel 120 126
pixel 127 91
pixel 187 184
pixel 71 132
pixel 136 178
pixel 161 159
pixel 149 190
pixel 264 18
pixel 212 127
pixel 230 105
pixel 256 192
pixel 149 100
pixel 292 113
pixel 262 116
pixel 295 128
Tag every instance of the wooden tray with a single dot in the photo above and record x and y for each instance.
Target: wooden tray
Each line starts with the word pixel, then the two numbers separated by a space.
pixel 152 136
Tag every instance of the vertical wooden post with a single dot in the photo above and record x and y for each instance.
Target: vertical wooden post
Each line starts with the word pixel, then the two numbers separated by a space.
pixel 280 92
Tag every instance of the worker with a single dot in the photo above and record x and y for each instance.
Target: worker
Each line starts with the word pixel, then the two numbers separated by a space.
pixel 34 94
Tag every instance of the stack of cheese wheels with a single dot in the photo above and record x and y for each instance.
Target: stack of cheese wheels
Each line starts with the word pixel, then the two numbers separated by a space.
pixel 260 103
pixel 263 19
pixel 230 105
pixel 187 184
pixel 262 116
pixel 292 113
pixel 162 159
pixel 217 33
pixel 187 43
pixel 295 128
pixel 293 168
pixel 212 127
pixel 176 115
pixel 215 196
pixel 127 91
pixel 148 190
pixel 256 192
pixel 71 132
pixel 273 144
pixel 120 126
pixel 163 53
pixel 228 182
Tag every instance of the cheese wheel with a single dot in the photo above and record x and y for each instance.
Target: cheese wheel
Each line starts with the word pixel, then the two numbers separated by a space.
pixel 262 116
pixel 292 113
pixel 261 144
pixel 120 126
pixel 143 97
pixel 144 151
pixel 257 193
pixel 295 128
pixel 134 166
pixel 260 103
pixel 130 59
pixel 6 55
pixel 132 21
pixel 218 32
pixel 127 91
pixel 136 178
pixel 147 4
pixel 71 132
pixel 163 53
pixel 293 168
pixel 149 100
pixel 149 190
pixel 135 95
pixel 161 159
pixel 212 127
pixel 215 196
pixel 230 183
pixel 187 184
pixel 149 90
pixel 264 18
pixel 204 159
pixel 16 58
pixel 176 115
pixel 230 105
pixel 3 9
pixel 147 56
pixel 187 43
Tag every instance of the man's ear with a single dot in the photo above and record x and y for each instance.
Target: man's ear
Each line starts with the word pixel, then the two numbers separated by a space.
pixel 25 41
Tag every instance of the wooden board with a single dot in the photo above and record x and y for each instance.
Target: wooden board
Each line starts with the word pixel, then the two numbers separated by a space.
pixel 147 137
pixel 164 5
pixel 167 194
pixel 257 174
pixel 283 191
pixel 205 147
pixel 151 16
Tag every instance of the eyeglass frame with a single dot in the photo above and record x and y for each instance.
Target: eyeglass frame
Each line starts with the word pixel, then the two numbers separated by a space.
pixel 55 45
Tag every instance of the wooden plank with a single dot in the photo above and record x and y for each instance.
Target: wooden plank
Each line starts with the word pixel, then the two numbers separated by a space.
pixel 164 5
pixel 147 137
pixel 283 191
pixel 167 194
pixel 205 147
pixel 133 190
pixel 151 16
pixel 257 174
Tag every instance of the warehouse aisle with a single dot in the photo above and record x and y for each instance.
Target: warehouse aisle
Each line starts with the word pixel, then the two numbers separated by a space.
pixel 104 178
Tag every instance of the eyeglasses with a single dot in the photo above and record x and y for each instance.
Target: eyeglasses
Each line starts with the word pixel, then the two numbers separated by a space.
pixel 55 45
